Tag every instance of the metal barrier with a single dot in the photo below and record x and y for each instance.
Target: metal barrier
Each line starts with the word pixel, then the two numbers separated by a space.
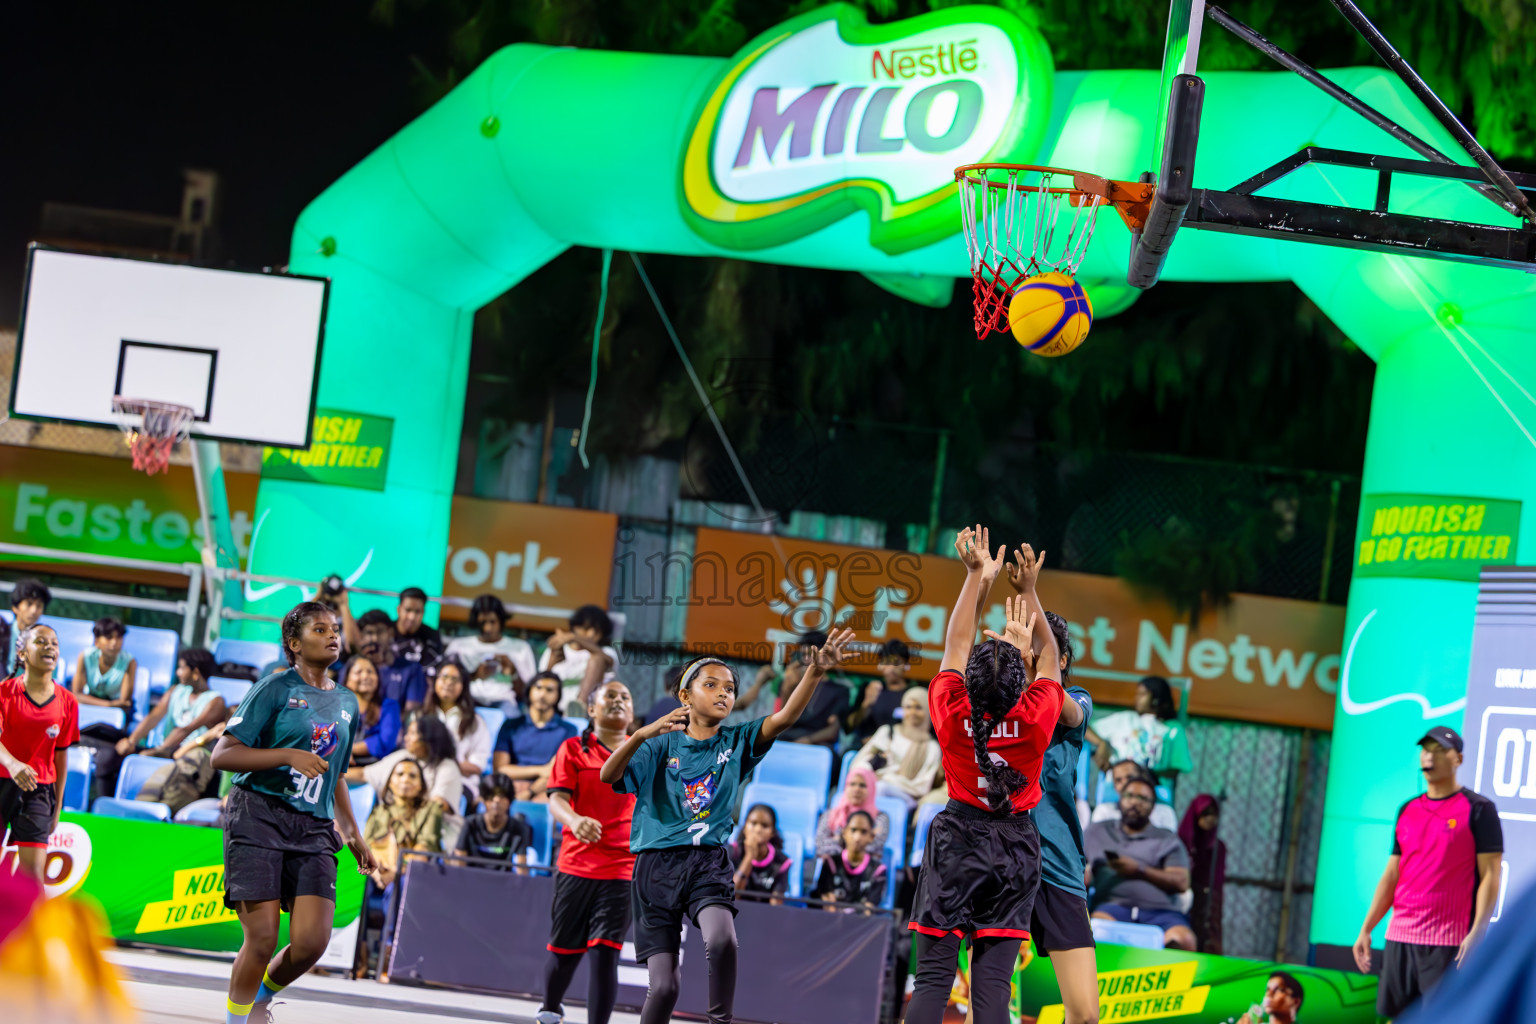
pixel 187 609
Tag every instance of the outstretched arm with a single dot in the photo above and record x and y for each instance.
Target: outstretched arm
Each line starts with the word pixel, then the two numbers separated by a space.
pixel 672 721
pixel 973 546
pixel 1023 574
pixel 826 658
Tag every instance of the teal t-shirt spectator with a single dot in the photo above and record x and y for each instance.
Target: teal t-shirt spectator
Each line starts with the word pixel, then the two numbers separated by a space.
pixel 108 684
pixel 186 706
pixel 686 789
pixel 1061 834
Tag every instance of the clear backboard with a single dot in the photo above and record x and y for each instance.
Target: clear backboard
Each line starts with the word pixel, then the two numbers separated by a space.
pixel 241 349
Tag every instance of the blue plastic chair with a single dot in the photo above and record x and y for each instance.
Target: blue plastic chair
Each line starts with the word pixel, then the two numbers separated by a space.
pixel 797 809
pixel 896 809
pixel 794 849
pixel 925 815
pixel 256 653
pixel 140 695
pixel 94 714
pixel 135 771
pixel 80 769
pixel 232 690
pixel 579 723
pixel 538 817
pixel 139 810
pixel 154 650
pixel 493 718
pixel 199 812
pixel 797 764
pixel 1127 933
pixel 1106 791
pixel 892 869
pixel 363 799
pixel 842 773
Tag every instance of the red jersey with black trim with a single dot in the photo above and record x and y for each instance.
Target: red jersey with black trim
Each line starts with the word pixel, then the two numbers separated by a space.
pixel 576 771
pixel 1019 739
pixel 34 732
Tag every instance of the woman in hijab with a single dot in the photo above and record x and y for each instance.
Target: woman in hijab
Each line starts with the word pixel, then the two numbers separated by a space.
pixel 858 795
pixel 1207 870
pixel 904 755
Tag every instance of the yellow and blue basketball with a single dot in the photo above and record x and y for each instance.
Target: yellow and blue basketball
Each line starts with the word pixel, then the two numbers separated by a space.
pixel 1050 314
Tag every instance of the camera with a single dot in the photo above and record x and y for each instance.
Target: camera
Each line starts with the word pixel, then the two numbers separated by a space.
pixel 332 585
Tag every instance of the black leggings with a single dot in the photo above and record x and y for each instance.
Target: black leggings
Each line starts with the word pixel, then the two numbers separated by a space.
pixel 718 926
pixel 602 981
pixel 992 963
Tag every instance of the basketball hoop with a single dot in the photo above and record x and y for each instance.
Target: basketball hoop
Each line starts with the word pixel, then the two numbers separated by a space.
pixel 151 429
pixel 1011 215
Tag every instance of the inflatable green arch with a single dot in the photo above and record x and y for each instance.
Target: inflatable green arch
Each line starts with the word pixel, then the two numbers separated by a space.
pixel 764 157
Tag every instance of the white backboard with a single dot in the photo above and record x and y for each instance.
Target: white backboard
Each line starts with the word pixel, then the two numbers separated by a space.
pixel 241 349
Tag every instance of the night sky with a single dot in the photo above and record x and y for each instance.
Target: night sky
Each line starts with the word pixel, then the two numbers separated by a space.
pixel 105 103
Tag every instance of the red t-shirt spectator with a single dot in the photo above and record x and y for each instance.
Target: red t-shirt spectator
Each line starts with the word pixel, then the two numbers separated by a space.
pixel 34 732
pixel 1438 842
pixel 1019 739
pixel 576 771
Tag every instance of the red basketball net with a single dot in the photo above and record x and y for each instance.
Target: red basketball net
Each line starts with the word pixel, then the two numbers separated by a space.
pixel 151 430
pixel 1011 215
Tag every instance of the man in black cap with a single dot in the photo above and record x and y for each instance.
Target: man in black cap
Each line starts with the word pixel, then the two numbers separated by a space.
pixel 1441 882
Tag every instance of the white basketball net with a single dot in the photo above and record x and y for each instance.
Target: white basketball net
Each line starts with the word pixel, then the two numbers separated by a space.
pixel 151 430
pixel 1012 227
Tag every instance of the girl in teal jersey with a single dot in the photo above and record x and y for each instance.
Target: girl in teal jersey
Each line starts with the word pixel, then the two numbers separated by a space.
pixel 288 745
pixel 685 770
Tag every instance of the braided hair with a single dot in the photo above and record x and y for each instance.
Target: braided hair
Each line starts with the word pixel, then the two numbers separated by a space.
pixel 295 621
pixel 994 682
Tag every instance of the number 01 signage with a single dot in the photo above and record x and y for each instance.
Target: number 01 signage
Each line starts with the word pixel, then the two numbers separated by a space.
pixel 1500 724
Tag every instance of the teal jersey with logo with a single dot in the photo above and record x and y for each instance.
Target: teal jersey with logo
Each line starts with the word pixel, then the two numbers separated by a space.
pixel 1061 834
pixel 284 711
pixel 685 789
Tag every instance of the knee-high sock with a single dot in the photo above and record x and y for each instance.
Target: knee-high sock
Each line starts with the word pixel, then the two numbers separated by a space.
pixel 661 997
pixel 718 926
pixel 558 973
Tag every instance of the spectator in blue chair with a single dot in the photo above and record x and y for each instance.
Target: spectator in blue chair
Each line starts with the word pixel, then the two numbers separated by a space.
pixel 494 833
pixel 404 682
pixel 378 731
pixel 758 856
pixel 1136 869
pixel 406 820
pixel 103 676
pixel 853 874
pixel 39 721
pixel 186 711
pixel 569 651
pixel 881 702
pixel 29 600
pixel 449 701
pixel 414 641
pixel 904 755
pixel 525 747
pixel 499 666
pixel 428 743
pixel 858 795
pixel 1120 773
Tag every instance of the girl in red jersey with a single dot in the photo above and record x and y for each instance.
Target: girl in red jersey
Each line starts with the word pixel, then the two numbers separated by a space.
pixel 982 865
pixel 38 723
pixel 591 911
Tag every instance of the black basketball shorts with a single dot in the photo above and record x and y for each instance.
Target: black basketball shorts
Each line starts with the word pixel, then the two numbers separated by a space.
pixel 1408 973
pixel 273 852
pixel 588 912
pixel 673 881
pixel 979 876
pixel 28 813
pixel 1060 920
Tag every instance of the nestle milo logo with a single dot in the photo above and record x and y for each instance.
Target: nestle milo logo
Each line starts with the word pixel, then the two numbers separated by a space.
pixel 826 116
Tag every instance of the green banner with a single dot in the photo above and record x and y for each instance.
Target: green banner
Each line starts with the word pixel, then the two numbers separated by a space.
pixel 1169 985
pixel 163 884
pixel 1434 536
pixel 350 449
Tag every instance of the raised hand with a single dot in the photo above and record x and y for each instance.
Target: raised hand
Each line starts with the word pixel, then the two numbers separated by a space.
pixel 1020 628
pixel 831 653
pixel 1024 570
pixel 672 721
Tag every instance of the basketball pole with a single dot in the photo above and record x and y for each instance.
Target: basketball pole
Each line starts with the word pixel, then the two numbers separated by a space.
pixel 219 550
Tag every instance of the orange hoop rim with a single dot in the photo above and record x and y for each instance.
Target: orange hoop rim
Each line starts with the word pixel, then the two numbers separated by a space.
pixel 1132 200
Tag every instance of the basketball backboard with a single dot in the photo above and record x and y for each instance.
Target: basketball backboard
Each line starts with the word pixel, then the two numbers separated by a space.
pixel 241 349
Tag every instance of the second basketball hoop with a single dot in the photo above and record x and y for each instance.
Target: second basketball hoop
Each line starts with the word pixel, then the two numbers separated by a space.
pixel 1017 226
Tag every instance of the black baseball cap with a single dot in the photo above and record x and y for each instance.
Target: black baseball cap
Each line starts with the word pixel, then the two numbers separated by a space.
pixel 1443 735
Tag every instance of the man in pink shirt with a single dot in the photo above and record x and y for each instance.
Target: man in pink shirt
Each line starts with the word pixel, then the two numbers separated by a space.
pixel 1441 882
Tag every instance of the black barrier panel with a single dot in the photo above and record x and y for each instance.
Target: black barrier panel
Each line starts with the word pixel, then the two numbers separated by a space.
pixel 472 928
